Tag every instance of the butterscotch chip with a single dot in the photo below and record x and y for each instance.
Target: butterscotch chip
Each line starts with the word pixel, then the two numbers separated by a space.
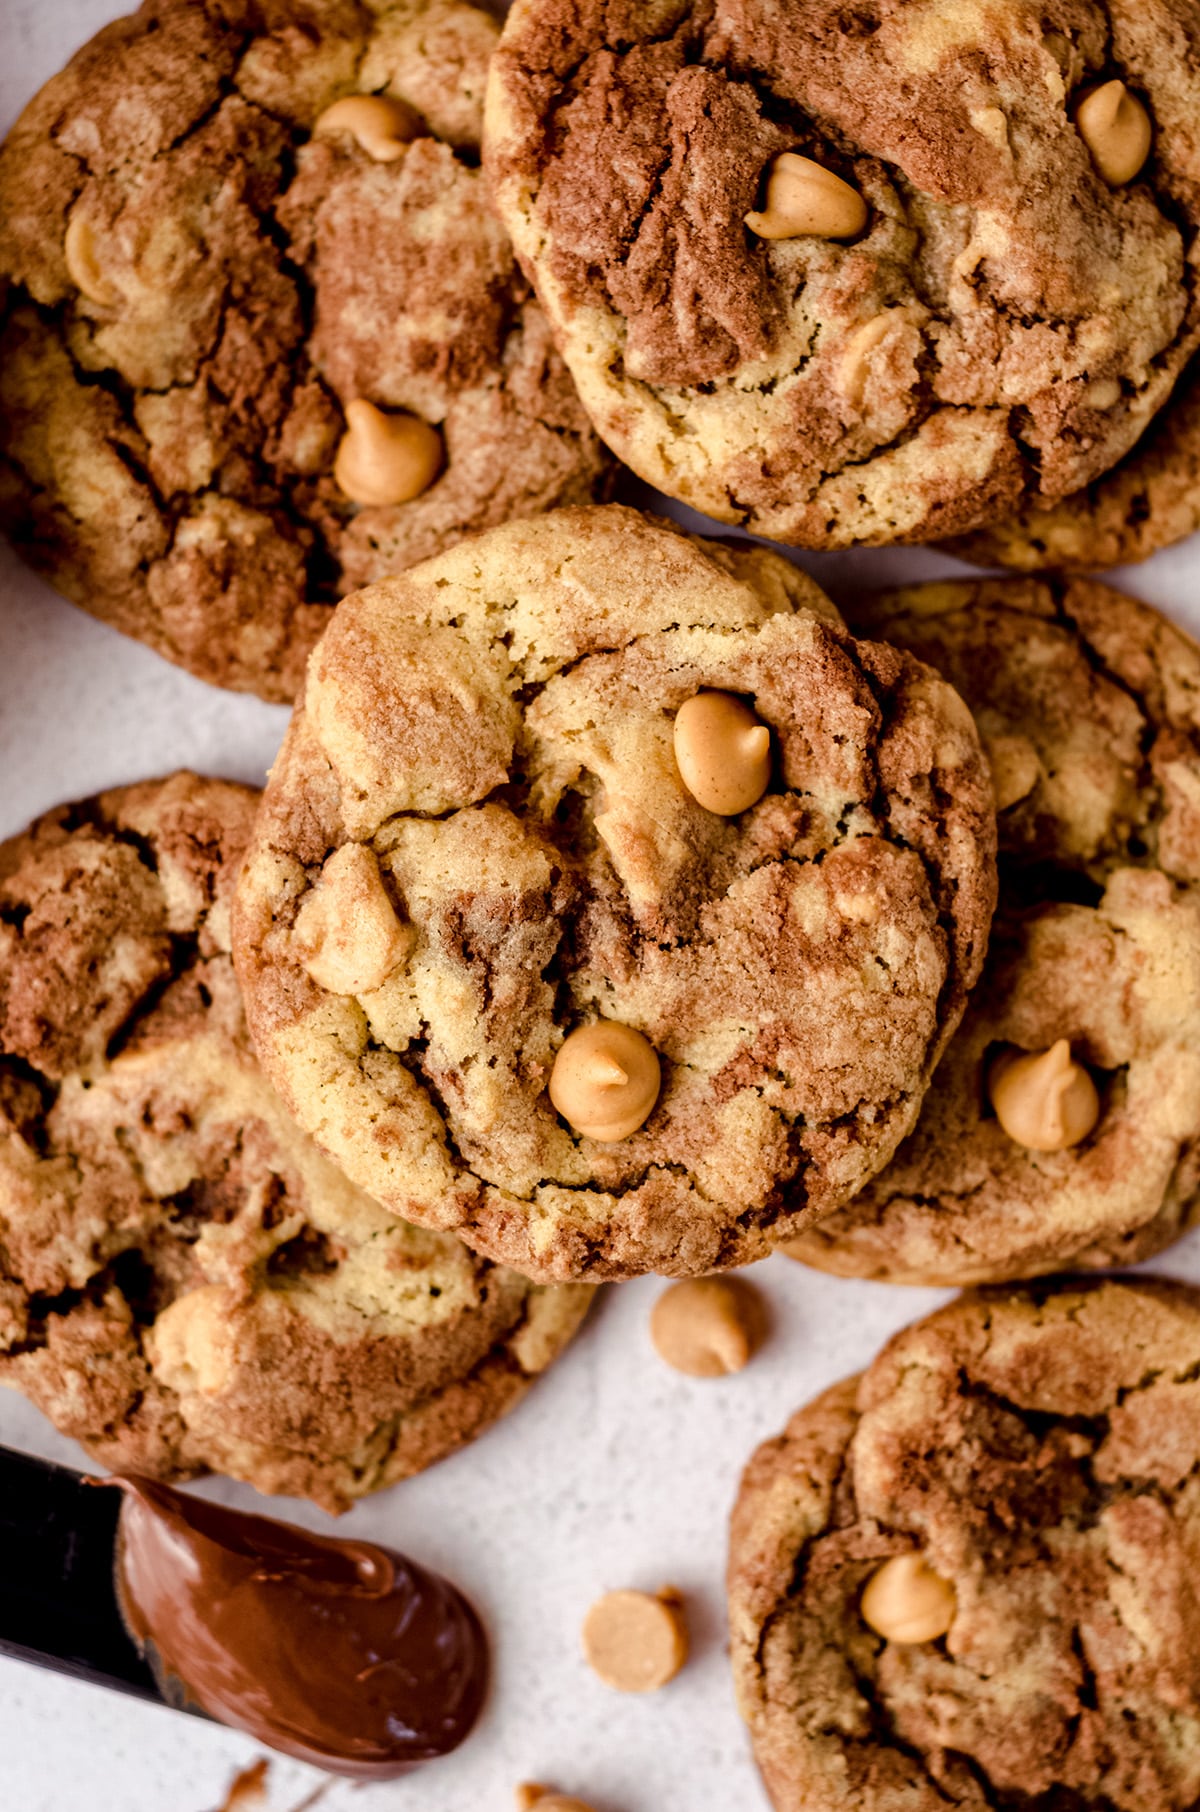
pixel 724 752
pixel 635 1641
pixel 545 1799
pixel 386 459
pixel 1044 1100
pixel 605 1080
pixel 1089 708
pixel 707 1327
pixel 1015 765
pixel 225 229
pixel 347 928
pixel 186 1282
pixel 1025 1459
pixel 497 728
pixel 864 354
pixel 805 199
pixel 84 264
pixel 906 1601
pixel 381 123
pixel 1116 129
pixel 714 201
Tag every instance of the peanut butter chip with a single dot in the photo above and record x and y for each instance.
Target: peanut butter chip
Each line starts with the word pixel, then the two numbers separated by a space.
pixel 347 932
pixel 1044 1100
pixel 386 459
pixel 991 123
pixel 1105 393
pixel 804 199
pixel 906 1601
pixel 1016 768
pixel 529 1795
pixel 636 1641
pixel 605 1080
pixel 83 265
pixel 382 125
pixel 854 366
pixel 1116 129
pixel 706 1327
pixel 723 752
pixel 191 1345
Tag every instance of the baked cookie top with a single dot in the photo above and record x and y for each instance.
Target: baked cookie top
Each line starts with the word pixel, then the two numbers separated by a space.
pixel 1009 1494
pixel 1089 707
pixel 857 274
pixel 185 1282
pixel 1150 500
pixel 263 340
pixel 478 840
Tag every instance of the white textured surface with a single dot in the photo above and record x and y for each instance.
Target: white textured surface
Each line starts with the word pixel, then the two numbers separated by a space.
pixel 614 1472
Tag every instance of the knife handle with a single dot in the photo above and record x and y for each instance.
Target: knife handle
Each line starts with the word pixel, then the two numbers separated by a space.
pixel 58 1601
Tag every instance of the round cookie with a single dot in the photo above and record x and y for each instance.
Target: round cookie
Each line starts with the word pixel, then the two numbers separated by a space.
pixel 1149 501
pixel 964 314
pixel 1039 1451
pixel 1089 706
pixel 185 1282
pixel 476 841
pixel 209 277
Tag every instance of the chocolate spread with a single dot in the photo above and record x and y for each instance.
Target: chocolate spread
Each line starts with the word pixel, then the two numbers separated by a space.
pixel 338 1652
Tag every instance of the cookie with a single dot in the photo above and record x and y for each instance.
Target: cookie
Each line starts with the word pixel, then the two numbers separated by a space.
pixel 864 273
pixel 185 1281
pixel 966 1578
pixel 1089 707
pixel 478 840
pixel 1147 502
pixel 263 340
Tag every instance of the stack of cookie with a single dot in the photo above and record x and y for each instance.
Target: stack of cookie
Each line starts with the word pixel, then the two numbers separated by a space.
pixel 616 904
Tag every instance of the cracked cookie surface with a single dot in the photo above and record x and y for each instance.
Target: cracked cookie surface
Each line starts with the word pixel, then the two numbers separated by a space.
pixel 1041 1450
pixel 1150 500
pixel 168 439
pixel 1000 330
pixel 185 1281
pixel 480 782
pixel 1088 704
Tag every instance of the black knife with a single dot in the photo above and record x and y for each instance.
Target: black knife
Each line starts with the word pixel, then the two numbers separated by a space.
pixel 58 1599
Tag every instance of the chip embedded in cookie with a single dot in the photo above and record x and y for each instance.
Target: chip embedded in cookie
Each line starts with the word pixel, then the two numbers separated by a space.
pixel 185 1281
pixel 522 983
pixel 967 1577
pixel 1062 1128
pixel 263 340
pixel 1149 501
pixel 857 273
